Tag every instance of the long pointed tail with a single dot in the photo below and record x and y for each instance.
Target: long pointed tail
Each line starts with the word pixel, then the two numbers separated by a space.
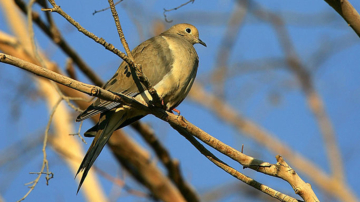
pixel 108 123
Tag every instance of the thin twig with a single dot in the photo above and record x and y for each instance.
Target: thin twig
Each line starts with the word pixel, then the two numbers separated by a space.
pixel 104 9
pixel 79 134
pixel 49 175
pixel 174 9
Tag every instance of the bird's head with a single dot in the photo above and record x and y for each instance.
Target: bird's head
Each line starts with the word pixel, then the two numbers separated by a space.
pixel 188 31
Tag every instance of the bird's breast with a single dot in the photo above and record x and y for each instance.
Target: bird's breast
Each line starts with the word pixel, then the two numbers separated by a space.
pixel 176 84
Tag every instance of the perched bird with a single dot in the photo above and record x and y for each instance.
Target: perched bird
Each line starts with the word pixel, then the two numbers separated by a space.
pixel 170 63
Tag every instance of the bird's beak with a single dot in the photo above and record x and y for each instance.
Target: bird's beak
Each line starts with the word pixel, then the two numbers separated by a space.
pixel 202 43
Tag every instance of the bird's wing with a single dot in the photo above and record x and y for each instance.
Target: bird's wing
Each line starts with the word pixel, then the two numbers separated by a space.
pixel 156 60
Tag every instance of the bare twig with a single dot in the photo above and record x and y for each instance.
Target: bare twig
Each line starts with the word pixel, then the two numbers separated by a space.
pixel 174 9
pixel 79 134
pixel 48 174
pixel 104 9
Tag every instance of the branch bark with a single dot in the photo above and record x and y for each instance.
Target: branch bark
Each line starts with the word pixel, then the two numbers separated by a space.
pixel 348 12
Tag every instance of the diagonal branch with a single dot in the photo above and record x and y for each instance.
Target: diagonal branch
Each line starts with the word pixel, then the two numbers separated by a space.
pixel 177 122
pixel 253 183
pixel 348 12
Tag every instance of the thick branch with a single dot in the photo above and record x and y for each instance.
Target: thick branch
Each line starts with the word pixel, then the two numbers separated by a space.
pixel 177 122
pixel 348 12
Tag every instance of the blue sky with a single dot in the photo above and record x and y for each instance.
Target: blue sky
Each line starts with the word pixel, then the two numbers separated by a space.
pixel 313 27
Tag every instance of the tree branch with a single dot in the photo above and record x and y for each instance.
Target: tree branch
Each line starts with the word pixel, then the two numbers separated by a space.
pixel 348 12
pixel 177 122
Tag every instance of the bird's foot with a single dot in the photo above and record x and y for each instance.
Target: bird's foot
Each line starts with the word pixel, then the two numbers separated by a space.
pixel 175 110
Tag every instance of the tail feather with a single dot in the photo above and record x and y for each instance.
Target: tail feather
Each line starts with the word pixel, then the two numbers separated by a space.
pixel 108 123
pixel 91 132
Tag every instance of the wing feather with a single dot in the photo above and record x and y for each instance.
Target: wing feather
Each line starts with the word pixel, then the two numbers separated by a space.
pixel 156 60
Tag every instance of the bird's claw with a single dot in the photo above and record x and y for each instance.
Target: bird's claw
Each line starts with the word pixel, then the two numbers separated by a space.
pixel 175 110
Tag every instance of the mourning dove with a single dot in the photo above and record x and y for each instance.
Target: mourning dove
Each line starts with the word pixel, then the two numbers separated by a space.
pixel 170 63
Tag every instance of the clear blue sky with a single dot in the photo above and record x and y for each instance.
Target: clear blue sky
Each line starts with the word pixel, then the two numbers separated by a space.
pixel 313 26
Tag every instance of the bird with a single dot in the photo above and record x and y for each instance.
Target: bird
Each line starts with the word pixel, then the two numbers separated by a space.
pixel 169 61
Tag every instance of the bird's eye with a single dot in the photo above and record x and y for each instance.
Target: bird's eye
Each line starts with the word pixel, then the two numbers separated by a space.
pixel 188 30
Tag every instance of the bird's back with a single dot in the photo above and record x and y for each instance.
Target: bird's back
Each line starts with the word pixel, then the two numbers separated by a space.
pixel 153 55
